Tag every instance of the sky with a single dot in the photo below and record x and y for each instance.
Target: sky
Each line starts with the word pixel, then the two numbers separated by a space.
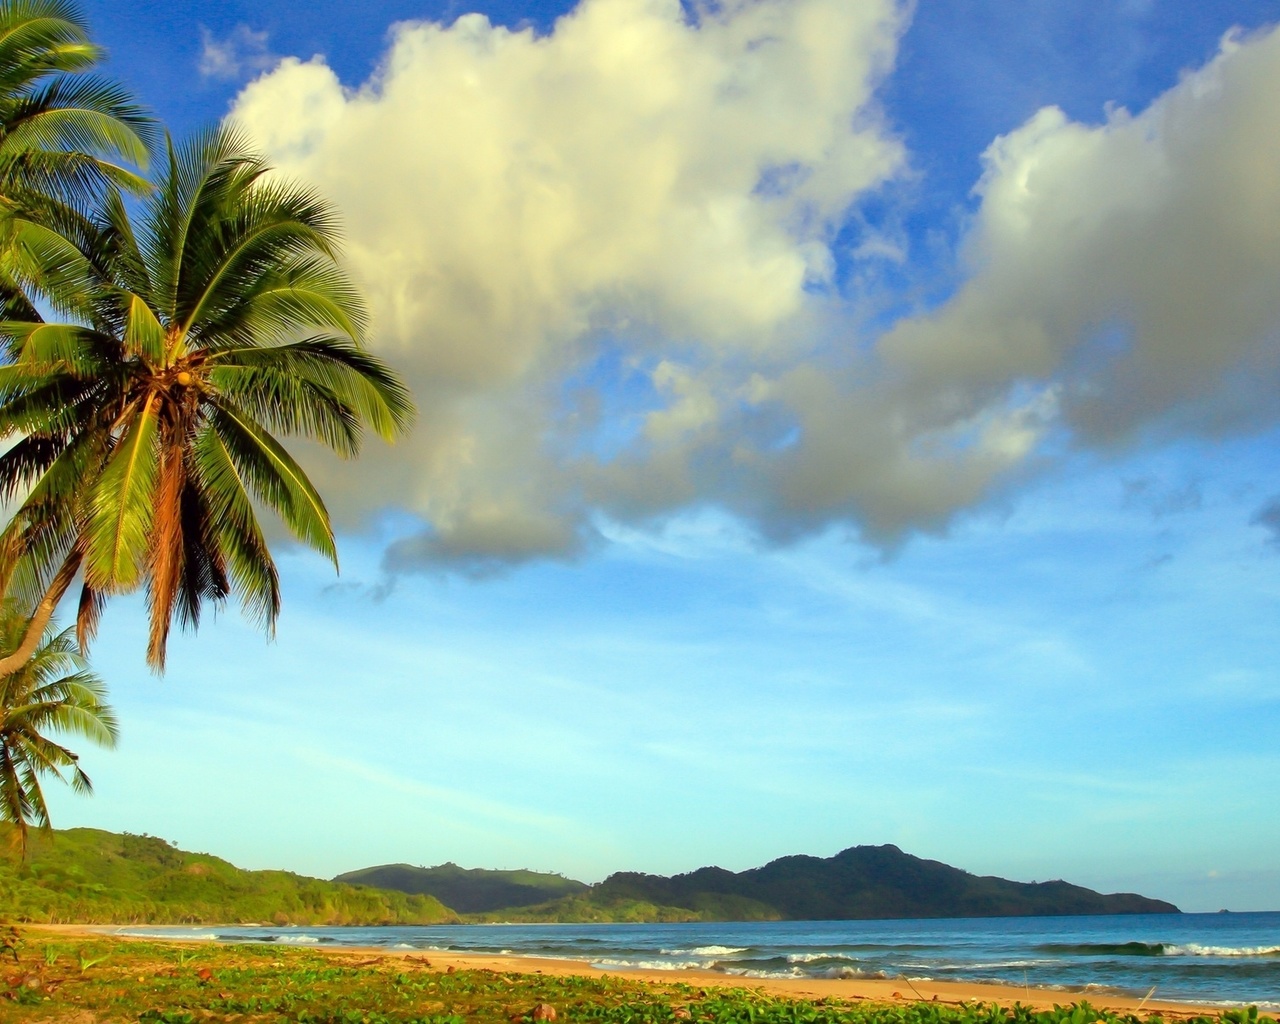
pixel 839 423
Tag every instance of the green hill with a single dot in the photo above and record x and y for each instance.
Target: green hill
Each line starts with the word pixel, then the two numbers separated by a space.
pixel 84 875
pixel 89 876
pixel 596 907
pixel 868 882
pixel 863 882
pixel 469 890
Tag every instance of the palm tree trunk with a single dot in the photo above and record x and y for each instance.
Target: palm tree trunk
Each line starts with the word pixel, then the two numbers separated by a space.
pixel 62 580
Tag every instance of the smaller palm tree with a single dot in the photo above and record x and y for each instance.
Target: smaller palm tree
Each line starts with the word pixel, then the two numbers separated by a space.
pixel 54 691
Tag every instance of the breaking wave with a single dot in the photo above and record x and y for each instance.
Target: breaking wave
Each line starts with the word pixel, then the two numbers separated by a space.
pixel 1154 949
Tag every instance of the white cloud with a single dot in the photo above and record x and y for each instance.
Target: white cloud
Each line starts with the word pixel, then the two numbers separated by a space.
pixel 603 259
pixel 240 54
pixel 1133 263
pixel 512 199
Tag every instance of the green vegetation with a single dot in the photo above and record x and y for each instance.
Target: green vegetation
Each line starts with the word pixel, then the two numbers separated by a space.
pixel 53 691
pixel 594 908
pixel 469 890
pixel 84 875
pixel 88 876
pixel 194 331
pixel 64 134
pixel 54 978
pixel 536 896
pixel 869 882
pixel 861 883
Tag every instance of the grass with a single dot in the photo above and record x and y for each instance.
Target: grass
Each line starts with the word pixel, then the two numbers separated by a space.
pixel 46 977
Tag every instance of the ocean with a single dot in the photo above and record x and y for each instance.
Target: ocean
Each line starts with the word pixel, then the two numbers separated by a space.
pixel 1221 959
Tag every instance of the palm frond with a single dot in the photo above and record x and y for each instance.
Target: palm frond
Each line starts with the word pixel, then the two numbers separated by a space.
pixel 290 405
pixel 38 39
pixel 144 335
pixel 122 511
pixel 235 526
pixel 45 262
pixel 88 614
pixel 274 477
pixel 309 292
pixel 351 374
pixel 79 114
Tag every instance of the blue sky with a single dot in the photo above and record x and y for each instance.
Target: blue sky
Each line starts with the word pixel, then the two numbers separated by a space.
pixel 840 424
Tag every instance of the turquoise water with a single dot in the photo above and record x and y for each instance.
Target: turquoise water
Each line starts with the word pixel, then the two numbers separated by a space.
pixel 1210 958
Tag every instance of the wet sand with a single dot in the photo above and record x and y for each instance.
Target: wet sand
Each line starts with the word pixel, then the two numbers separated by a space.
pixel 875 990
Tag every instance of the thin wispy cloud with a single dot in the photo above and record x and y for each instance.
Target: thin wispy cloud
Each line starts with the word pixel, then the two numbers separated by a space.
pixel 240 54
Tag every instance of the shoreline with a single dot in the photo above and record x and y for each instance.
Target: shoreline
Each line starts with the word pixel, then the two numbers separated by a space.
pixel 888 991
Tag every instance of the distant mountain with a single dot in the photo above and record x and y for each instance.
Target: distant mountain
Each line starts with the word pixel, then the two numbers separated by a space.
pixel 86 876
pixel 469 890
pixel 863 882
pixel 867 882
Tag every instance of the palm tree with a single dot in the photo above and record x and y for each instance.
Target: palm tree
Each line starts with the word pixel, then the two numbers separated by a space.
pixel 62 135
pixel 52 691
pixel 145 423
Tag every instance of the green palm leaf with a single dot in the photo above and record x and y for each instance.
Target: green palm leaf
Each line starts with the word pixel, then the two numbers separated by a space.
pixel 122 509
pixel 274 478
pixel 238 535
pixel 143 333
pixel 84 115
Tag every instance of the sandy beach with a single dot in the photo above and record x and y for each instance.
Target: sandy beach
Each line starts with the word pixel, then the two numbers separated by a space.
pixel 876 990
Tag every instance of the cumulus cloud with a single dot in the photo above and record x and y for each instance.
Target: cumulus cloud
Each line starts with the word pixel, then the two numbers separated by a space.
pixel 603 258
pixel 1130 265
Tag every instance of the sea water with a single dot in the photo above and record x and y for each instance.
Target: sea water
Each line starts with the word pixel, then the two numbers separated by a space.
pixel 1227 959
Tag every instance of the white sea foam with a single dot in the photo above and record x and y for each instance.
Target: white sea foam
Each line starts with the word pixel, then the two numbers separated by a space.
pixel 301 940
pixel 656 965
pixel 705 951
pixel 1194 949
pixel 843 972
pixel 181 937
pixel 797 972
pixel 808 958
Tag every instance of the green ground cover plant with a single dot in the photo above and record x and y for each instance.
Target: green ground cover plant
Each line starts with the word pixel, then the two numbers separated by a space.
pixel 50 977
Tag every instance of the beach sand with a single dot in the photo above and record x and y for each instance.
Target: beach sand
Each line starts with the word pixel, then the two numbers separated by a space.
pixel 875 990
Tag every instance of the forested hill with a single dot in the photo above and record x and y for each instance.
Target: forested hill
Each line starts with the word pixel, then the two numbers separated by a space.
pixel 862 882
pixel 867 882
pixel 469 890
pixel 88 876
